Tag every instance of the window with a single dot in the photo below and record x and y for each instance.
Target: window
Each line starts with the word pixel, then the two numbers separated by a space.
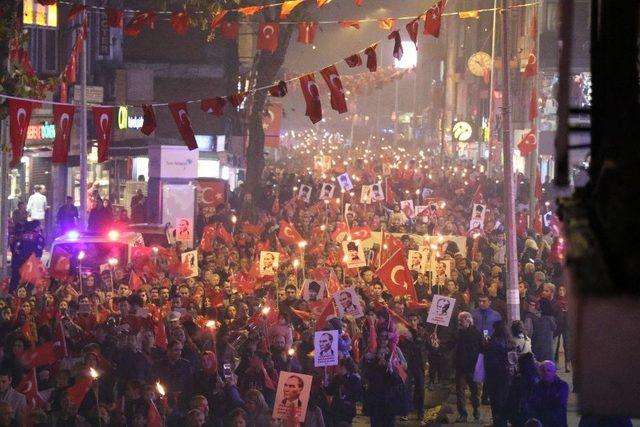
pixel 43 49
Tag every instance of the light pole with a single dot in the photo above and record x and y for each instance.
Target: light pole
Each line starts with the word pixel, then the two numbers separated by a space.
pixel 409 61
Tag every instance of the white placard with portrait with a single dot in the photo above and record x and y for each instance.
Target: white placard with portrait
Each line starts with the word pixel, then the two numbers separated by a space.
pixel 190 259
pixel 292 392
pixel 325 345
pixel 441 310
pixel 353 253
pixel 347 302
pixel 269 263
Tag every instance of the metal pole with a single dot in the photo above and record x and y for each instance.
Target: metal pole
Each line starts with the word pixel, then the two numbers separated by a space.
pixel 534 157
pixel 395 107
pixel 491 80
pixel 513 299
pixel 83 129
pixel 4 199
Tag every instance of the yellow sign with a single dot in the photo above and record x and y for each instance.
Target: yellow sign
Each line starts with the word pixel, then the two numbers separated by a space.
pixel 462 131
pixel 36 14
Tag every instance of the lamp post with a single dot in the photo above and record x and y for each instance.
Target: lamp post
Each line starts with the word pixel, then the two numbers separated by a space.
pixel 81 256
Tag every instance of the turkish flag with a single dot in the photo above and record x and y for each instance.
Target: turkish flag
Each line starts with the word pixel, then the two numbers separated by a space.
pixel 135 282
pixel 323 310
pixel 395 274
pixel 278 90
pixel 214 106
pixel 115 17
pixel 230 30
pixel 307 32
pixel 390 243
pixel 148 119
pixel 42 355
pixel 223 234
pixel 287 7
pixel 79 390
pixel 341 232
pixel 217 20
pixel 29 387
pixel 32 270
pixel 387 23
pixel 433 19
pixel 59 340
pixel 161 334
pixel 75 10
pixel 63 119
pixel 528 143
pixel 360 233
pixel 60 264
pixel 288 233
pixel 332 79
pixel 351 23
pixel 397 44
pixel 533 105
pixel 250 10
pixel 102 120
pixel 311 97
pixel 531 69
pixel 154 419
pixel 208 234
pixel 180 22
pixel 268 34
pixel 236 99
pixel 372 60
pixel 181 117
pixel 272 124
pixel 412 28
pixel 134 26
pixel 353 61
pixel 19 116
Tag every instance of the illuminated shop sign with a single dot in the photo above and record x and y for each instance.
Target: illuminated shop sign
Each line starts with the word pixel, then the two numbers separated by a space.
pixel 43 131
pixel 125 121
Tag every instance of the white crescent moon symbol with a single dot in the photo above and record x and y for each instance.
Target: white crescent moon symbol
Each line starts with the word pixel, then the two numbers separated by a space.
pixel 20 116
pixel 288 232
pixel 335 81
pixel 315 93
pixel 393 275
pixel 29 387
pixel 268 31
pixel 184 117
pixel 64 121
pixel 204 195
pixel 104 123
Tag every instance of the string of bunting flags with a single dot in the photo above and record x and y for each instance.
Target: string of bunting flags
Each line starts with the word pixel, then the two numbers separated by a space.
pixel 63 113
pixel 182 21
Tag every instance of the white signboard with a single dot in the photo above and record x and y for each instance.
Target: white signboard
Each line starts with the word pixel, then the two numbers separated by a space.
pixel 191 260
pixel 325 345
pixel 292 394
pixel 347 302
pixel 441 310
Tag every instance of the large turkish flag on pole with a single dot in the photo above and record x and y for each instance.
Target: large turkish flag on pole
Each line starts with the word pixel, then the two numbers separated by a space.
pixel 395 274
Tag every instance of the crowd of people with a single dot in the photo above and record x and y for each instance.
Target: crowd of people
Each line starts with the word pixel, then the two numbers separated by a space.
pixel 147 345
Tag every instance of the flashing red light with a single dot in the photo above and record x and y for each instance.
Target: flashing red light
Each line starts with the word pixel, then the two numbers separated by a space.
pixel 114 235
pixel 73 236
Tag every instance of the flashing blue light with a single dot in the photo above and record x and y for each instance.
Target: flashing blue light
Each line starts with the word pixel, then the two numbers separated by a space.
pixel 73 236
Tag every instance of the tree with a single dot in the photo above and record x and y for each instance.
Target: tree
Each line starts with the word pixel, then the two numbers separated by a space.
pixel 266 68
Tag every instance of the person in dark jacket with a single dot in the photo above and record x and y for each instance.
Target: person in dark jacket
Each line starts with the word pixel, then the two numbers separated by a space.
pixel 518 406
pixel 346 390
pixel 549 397
pixel 467 349
pixel 67 216
pixel 30 242
pixel 497 371
pixel 540 325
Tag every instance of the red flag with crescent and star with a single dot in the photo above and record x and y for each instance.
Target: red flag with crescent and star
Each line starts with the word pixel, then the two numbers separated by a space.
pixel 433 19
pixel 307 32
pixel 29 387
pixel 149 119
pixel 19 116
pixel 181 117
pixel 60 263
pixel 214 106
pixel 332 79
pixel 268 34
pixel 230 30
pixel 102 120
pixel 395 274
pixel 63 119
pixel 528 143
pixel 311 97
pixel 32 270
pixel 288 233
pixel 397 44
pixel 354 60
pixel 372 58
